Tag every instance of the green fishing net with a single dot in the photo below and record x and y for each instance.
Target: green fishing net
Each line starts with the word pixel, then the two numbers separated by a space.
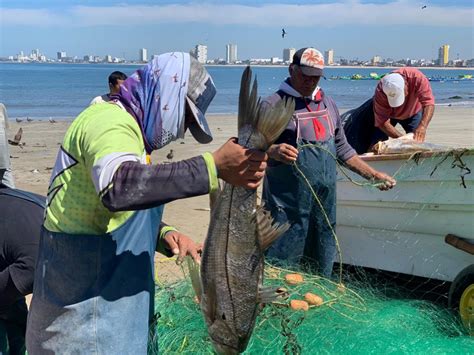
pixel 365 316
pixel 363 312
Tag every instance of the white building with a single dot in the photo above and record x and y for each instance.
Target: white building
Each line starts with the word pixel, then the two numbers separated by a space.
pixel 35 54
pixel 288 54
pixel 108 58
pixel 61 55
pixel 143 55
pixel 200 52
pixel 231 53
pixel 376 59
pixel 275 60
pixel 329 57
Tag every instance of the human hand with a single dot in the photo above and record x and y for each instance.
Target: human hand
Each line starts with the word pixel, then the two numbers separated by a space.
pixel 419 133
pixel 181 245
pixel 384 181
pixel 283 152
pixel 240 166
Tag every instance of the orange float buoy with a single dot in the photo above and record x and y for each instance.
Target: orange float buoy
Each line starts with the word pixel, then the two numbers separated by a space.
pixel 313 299
pixel 299 305
pixel 294 279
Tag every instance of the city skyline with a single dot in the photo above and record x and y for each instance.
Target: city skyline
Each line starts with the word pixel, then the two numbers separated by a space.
pixel 200 53
pixel 354 29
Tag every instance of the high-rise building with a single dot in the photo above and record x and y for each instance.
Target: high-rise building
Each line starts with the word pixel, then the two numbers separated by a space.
pixel 231 53
pixel 35 54
pixel 329 57
pixel 108 58
pixel 288 54
pixel 443 55
pixel 61 55
pixel 376 59
pixel 143 55
pixel 200 52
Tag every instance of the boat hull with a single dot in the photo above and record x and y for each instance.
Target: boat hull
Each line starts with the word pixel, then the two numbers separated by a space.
pixel 403 230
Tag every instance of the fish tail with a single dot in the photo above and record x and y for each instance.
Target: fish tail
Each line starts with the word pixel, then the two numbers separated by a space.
pixel 264 119
pixel 249 102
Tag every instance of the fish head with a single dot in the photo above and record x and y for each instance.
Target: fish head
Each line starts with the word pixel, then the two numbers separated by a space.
pixel 224 339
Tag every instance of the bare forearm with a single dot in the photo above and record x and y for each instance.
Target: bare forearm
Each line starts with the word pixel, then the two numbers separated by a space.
pixel 420 131
pixel 428 112
pixel 384 181
pixel 357 165
pixel 390 130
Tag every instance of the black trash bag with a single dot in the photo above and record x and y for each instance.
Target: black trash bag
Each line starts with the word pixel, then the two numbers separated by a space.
pixel 359 126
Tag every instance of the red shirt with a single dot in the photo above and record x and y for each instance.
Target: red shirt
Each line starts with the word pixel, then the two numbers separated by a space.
pixel 419 95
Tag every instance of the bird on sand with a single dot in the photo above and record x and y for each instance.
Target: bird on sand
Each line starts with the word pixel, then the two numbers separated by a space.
pixel 17 139
pixel 18 120
pixel 283 33
pixel 29 119
pixel 51 120
pixel 170 155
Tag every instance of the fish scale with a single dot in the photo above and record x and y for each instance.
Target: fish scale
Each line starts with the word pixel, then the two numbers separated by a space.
pixel 233 255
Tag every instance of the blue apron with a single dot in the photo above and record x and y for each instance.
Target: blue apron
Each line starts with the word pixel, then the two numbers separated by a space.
pixel 108 304
pixel 309 240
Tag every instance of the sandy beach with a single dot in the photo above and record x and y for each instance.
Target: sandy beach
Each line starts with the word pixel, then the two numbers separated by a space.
pixel 32 164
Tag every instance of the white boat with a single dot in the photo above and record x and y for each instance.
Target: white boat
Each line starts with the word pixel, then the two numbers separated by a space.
pixel 405 230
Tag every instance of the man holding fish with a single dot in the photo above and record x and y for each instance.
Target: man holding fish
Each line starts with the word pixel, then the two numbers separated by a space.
pixel 93 289
pixel 302 161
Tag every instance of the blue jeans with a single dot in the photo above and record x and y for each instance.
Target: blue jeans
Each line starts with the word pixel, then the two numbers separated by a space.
pixel 409 125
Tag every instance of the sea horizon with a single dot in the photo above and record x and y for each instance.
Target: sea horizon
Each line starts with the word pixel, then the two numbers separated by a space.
pixel 62 91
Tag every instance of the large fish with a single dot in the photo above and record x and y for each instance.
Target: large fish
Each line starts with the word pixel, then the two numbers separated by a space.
pixel 406 144
pixel 230 287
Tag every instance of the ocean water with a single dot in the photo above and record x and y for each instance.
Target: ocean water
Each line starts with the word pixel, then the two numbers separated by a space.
pixel 64 90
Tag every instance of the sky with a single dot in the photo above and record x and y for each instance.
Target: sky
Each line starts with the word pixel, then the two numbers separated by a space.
pixel 353 28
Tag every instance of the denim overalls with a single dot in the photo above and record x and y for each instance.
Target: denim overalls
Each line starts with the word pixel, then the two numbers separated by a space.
pixel 287 194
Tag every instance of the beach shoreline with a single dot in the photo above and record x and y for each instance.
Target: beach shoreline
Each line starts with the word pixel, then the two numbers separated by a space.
pixel 243 65
pixel 451 125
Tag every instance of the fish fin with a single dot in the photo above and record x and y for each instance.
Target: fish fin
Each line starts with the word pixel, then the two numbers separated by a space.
pixel 268 120
pixel 248 101
pixel 209 304
pixel 272 120
pixel 267 230
pixel 270 294
pixel 195 276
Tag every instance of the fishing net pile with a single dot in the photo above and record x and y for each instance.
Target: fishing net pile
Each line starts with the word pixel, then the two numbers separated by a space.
pixel 362 316
pixel 357 312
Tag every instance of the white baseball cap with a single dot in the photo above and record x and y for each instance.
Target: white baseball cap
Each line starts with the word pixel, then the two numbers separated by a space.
pixel 393 85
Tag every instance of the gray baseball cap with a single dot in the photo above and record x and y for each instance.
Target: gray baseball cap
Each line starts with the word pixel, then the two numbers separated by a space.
pixel 201 91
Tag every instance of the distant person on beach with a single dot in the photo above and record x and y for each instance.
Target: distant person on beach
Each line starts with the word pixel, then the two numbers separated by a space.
pixel 402 97
pixel 94 285
pixel 311 143
pixel 6 177
pixel 20 227
pixel 115 79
